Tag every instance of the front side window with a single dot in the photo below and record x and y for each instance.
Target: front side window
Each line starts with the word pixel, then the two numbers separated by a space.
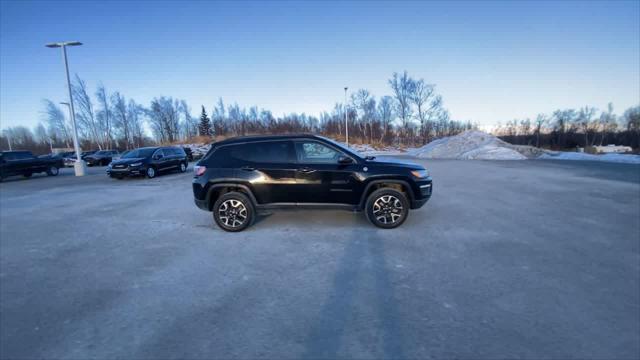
pixel 311 152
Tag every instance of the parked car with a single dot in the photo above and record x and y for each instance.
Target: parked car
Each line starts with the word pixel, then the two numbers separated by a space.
pixel 84 154
pixel 23 163
pixel 101 158
pixel 149 161
pixel 240 176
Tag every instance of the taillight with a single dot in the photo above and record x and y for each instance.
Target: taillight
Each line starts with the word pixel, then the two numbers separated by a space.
pixel 199 170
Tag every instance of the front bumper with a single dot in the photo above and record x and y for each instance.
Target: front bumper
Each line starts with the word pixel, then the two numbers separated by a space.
pixel 128 171
pixel 202 204
pixel 426 189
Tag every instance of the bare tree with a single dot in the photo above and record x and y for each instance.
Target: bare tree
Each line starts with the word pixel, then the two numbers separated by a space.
pixel 541 120
pixel 585 122
pixel 423 95
pixel 105 115
pixel 402 86
pixel 55 119
pixel 121 117
pixel 84 107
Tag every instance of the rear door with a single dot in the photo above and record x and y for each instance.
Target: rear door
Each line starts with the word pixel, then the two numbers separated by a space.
pixel 319 176
pixel 171 154
pixel 160 160
pixel 269 167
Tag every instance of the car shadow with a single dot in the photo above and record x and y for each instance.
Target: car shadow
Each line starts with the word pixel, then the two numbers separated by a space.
pixel 363 260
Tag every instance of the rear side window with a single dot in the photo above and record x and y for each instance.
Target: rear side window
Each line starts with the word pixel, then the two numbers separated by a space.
pixel 265 152
pixel 272 152
pixel 179 152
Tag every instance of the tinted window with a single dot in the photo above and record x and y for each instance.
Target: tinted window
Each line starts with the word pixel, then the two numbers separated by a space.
pixel 259 152
pixel 264 152
pixel 139 153
pixel 315 152
pixel 179 152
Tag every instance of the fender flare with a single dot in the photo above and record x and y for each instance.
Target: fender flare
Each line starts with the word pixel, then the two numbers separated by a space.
pixel 363 197
pixel 229 184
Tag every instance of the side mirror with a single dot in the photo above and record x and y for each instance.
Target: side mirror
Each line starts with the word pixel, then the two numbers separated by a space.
pixel 344 160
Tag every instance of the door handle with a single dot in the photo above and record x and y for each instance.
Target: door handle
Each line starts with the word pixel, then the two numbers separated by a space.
pixel 306 170
pixel 247 168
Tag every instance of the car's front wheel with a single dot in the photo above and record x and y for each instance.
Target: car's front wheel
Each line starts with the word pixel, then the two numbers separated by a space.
pixel 151 172
pixel 387 208
pixel 52 171
pixel 233 211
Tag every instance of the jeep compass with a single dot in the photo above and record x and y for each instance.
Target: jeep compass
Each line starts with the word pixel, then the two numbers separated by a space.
pixel 243 175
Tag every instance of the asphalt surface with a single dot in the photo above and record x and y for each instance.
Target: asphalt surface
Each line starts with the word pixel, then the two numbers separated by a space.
pixel 515 259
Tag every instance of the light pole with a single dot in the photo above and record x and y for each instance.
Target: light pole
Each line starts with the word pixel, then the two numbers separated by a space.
pixel 6 133
pixel 79 166
pixel 346 123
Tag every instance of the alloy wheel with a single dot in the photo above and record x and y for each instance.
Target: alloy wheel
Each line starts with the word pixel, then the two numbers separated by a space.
pixel 232 213
pixel 387 209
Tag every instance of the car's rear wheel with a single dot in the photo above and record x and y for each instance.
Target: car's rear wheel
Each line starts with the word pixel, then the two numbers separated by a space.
pixel 233 212
pixel 387 208
pixel 151 172
pixel 52 171
pixel 183 167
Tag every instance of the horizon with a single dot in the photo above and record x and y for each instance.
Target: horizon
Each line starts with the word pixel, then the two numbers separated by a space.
pixel 492 62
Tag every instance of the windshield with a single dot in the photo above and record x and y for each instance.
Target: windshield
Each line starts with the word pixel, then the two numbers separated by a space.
pixel 139 153
pixel 343 147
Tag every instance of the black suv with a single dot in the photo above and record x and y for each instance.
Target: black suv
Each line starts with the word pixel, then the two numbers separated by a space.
pixel 100 158
pixel 240 176
pixel 148 161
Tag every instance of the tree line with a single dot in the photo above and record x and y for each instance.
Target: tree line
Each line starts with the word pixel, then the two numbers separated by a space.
pixel 412 114
pixel 571 128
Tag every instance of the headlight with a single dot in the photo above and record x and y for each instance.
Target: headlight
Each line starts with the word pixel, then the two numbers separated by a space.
pixel 420 174
pixel 136 164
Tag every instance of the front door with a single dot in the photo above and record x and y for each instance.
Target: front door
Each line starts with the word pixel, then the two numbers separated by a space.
pixel 320 178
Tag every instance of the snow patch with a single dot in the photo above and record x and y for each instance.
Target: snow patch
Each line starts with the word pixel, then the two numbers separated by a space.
pixel 617 158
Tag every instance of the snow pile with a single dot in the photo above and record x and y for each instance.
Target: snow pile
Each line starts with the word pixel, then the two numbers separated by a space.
pixel 468 145
pixel 617 158
pixel 367 149
pixel 198 150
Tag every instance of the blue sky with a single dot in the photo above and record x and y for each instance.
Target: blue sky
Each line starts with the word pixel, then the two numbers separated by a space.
pixel 491 61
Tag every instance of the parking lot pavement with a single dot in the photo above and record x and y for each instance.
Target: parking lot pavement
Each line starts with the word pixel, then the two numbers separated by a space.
pixel 522 259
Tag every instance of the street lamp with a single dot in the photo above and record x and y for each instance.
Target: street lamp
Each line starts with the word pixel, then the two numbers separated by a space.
pixel 346 124
pixel 79 166
pixel 6 133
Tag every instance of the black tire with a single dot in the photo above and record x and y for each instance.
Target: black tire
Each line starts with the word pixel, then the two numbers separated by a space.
pixel 151 172
pixel 229 222
pixel 383 205
pixel 52 171
pixel 183 167
pixel 27 175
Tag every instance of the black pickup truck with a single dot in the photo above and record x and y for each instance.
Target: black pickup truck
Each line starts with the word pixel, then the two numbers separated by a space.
pixel 23 163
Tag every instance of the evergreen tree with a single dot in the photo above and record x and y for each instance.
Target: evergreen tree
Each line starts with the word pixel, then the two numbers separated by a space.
pixel 204 128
